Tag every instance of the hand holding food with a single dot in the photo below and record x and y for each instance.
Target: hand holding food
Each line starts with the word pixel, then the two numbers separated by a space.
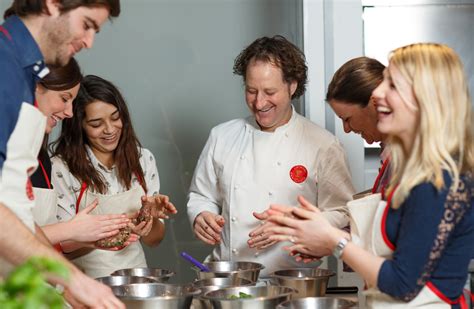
pixel 158 206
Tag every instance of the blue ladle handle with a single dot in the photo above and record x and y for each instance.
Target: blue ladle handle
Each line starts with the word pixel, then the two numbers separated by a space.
pixel 198 264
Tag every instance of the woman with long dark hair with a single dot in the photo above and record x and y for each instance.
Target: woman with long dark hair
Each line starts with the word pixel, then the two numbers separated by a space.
pixel 98 157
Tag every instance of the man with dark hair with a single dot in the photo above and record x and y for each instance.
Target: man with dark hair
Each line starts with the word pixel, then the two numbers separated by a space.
pixel 36 34
pixel 271 157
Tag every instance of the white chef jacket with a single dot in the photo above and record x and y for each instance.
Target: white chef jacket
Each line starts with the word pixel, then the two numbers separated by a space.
pixel 243 169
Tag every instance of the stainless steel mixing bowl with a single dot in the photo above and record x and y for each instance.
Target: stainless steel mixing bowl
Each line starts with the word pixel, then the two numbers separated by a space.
pixel 157 274
pixel 226 269
pixel 121 280
pixel 156 295
pixel 308 282
pixel 317 303
pixel 212 284
pixel 262 297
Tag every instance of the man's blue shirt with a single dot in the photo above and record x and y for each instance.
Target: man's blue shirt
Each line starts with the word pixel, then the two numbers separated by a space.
pixel 21 66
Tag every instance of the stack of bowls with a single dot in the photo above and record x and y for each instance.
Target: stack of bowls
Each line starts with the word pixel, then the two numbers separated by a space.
pixel 156 295
pixel 121 280
pixel 228 269
pixel 308 282
pixel 260 297
pixel 156 274
pixel 212 284
pixel 318 303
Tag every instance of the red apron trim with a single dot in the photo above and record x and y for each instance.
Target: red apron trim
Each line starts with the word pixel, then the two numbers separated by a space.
pixel 58 248
pixel 48 182
pixel 461 300
pixel 5 31
pixel 379 176
pixel 35 104
pixel 84 187
pixel 298 173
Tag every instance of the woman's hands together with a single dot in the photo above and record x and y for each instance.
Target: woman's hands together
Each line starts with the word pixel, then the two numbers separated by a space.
pixel 310 232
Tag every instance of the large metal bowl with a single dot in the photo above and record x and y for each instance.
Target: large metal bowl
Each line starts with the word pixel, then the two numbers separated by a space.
pixel 212 284
pixel 157 274
pixel 121 280
pixel 308 282
pixel 156 295
pixel 226 269
pixel 263 297
pixel 317 303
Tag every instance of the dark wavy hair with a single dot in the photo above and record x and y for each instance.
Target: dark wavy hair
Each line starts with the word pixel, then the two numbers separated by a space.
pixel 28 7
pixel 62 78
pixel 71 144
pixel 355 80
pixel 280 52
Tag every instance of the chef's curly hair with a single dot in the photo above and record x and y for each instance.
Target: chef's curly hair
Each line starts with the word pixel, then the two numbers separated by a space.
pixel 280 52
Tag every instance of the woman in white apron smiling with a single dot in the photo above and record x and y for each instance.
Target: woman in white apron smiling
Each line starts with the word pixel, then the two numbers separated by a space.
pixel 54 94
pixel 98 157
pixel 412 244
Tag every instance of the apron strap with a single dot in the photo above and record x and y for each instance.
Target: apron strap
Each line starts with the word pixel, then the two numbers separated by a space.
pixel 379 176
pixel 46 178
pixel 140 181
pixel 83 189
pixel 384 220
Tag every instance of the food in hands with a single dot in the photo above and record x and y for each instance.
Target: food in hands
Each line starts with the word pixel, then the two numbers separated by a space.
pixel 124 233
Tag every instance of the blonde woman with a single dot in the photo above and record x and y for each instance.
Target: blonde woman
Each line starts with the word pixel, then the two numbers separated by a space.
pixel 413 250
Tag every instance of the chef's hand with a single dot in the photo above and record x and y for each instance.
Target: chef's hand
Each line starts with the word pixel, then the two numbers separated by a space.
pixel 87 227
pixel 259 239
pixel 208 227
pixel 160 206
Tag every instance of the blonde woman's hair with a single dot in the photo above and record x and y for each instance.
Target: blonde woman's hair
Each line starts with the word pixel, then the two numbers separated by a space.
pixel 444 137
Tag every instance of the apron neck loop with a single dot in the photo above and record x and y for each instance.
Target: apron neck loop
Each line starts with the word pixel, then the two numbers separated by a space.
pixel 46 178
pixel 379 176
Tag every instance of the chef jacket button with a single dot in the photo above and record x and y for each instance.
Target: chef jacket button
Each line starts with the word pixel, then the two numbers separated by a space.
pixel 234 251
pixel 256 253
pixel 242 157
pixel 39 62
pixel 233 219
pixel 278 163
pixel 286 134
pixel 36 68
pixel 236 187
pixel 270 193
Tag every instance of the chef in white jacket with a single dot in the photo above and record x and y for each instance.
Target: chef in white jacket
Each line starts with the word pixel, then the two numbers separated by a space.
pixel 270 157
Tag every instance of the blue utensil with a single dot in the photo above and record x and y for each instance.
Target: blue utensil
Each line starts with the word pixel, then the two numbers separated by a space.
pixel 192 260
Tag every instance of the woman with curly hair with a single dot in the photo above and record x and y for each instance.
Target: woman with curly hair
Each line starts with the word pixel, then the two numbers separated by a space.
pixel 272 156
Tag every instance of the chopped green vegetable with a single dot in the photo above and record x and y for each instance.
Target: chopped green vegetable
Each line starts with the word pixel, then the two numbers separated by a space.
pixel 242 295
pixel 26 287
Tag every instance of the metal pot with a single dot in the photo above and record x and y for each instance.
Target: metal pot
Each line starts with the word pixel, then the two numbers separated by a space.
pixel 157 274
pixel 318 303
pixel 121 280
pixel 156 295
pixel 263 297
pixel 226 269
pixel 308 282
pixel 212 284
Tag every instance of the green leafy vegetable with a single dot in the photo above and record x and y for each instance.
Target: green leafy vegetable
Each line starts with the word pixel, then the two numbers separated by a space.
pixel 242 295
pixel 26 287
